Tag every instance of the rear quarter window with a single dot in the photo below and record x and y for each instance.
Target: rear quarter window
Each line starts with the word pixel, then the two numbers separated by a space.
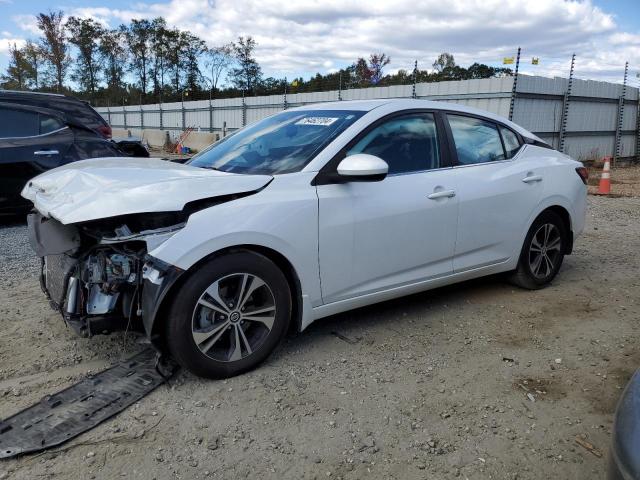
pixel 511 142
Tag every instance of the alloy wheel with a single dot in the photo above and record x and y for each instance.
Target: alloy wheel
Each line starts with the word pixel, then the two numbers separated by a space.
pixel 545 250
pixel 233 317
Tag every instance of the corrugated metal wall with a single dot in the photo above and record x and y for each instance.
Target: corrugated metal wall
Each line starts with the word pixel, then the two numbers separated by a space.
pixel 539 104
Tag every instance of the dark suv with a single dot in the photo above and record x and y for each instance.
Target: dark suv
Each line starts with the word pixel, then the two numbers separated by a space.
pixel 73 108
pixel 36 139
pixel 40 131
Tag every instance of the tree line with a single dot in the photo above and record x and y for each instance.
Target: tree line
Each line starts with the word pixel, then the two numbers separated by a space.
pixel 146 61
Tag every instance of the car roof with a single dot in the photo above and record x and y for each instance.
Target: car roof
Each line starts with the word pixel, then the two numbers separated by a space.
pixel 411 103
pixel 73 108
pixel 32 108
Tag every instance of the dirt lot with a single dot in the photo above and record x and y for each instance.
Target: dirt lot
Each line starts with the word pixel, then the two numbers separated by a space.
pixel 431 386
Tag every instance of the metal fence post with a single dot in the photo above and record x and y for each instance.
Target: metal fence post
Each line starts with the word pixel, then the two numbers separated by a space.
pixel 184 116
pixel 565 107
pixel 210 115
pixel 244 110
pixel 124 114
pixel 415 78
pixel 514 89
pixel 340 86
pixel 224 129
pixel 618 144
pixel 160 107
pixel 284 100
pixel 638 129
pixel 108 114
pixel 141 118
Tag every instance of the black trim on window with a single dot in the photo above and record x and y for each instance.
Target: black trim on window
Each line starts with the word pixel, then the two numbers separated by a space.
pixel 329 173
pixel 537 143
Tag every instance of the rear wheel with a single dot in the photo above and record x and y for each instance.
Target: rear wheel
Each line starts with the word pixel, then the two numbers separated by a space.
pixel 229 316
pixel 542 253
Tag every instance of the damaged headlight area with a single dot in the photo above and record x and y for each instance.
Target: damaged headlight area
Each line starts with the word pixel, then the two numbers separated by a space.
pixel 93 273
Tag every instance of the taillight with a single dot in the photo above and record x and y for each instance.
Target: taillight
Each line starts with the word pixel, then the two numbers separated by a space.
pixel 583 173
pixel 105 131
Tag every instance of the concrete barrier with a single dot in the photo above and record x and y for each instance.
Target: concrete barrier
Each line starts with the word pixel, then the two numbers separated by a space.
pixel 156 138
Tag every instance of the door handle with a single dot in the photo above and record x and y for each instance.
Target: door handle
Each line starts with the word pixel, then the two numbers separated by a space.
pixel 46 152
pixel 441 194
pixel 532 178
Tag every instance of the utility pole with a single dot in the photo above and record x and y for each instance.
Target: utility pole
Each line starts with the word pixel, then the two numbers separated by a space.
pixel 514 89
pixel 565 106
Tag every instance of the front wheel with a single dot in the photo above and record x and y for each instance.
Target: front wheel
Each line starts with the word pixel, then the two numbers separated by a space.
pixel 229 315
pixel 542 253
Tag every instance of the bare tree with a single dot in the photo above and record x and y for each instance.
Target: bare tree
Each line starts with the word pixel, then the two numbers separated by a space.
pixel 219 59
pixel 377 62
pixel 54 45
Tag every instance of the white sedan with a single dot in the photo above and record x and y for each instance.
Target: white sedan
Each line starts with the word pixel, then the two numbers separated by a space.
pixel 308 213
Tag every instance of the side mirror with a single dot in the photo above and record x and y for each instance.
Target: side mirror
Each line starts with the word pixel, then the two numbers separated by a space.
pixel 362 167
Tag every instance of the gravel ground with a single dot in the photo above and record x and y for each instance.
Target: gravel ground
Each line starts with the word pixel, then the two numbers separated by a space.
pixel 437 385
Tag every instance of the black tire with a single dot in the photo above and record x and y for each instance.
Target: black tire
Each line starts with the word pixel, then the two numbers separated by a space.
pixel 526 275
pixel 187 313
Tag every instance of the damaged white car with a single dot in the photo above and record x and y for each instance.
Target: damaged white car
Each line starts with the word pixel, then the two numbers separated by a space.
pixel 308 213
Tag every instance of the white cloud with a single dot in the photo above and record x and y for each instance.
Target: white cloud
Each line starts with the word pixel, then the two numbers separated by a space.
pixel 6 43
pixel 27 23
pixel 308 36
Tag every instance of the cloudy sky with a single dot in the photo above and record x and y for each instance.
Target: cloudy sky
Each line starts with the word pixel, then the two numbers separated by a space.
pixel 305 36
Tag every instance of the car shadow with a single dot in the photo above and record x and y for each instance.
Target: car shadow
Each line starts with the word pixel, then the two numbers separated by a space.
pixel 409 312
pixel 13 220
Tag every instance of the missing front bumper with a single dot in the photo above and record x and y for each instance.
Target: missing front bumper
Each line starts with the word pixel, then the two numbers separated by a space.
pixel 66 414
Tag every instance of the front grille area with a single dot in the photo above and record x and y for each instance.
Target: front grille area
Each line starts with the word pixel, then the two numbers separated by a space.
pixel 56 268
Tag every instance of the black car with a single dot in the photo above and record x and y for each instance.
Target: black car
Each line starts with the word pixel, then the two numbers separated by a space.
pixel 36 139
pixel 73 108
pixel 624 459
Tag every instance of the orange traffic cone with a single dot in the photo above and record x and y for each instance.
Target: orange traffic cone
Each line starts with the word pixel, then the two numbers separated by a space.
pixel 605 179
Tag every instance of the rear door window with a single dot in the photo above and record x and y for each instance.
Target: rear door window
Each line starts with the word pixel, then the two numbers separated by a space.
pixel 23 123
pixel 18 123
pixel 49 124
pixel 476 140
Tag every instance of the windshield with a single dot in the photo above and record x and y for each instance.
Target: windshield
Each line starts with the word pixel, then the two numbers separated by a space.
pixel 283 143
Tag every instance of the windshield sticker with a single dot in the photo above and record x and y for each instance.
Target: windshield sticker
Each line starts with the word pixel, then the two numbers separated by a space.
pixel 322 121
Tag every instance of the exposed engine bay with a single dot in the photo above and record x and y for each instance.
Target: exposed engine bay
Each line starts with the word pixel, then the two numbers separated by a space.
pixel 93 273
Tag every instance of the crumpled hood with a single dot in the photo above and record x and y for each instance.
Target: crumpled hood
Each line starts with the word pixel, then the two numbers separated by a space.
pixel 106 187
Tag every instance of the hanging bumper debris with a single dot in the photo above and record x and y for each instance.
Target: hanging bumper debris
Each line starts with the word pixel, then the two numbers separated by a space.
pixel 77 409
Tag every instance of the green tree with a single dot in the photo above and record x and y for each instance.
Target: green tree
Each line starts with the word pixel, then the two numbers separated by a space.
pixel 17 72
pixel 114 57
pixel 192 51
pixel 85 33
pixel 54 46
pixel 34 58
pixel 160 49
pixel 444 60
pixel 139 35
pixel 247 74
